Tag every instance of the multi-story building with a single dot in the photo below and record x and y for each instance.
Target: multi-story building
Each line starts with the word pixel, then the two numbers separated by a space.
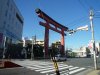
pixel 57 44
pixel 29 41
pixel 81 52
pixel 11 22
pixel 40 42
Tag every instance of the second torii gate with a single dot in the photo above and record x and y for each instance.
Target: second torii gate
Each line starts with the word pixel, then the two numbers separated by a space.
pixel 55 27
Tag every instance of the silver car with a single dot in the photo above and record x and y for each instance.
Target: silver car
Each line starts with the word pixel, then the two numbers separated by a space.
pixel 60 58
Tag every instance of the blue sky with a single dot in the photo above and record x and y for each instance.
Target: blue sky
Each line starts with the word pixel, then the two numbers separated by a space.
pixel 70 13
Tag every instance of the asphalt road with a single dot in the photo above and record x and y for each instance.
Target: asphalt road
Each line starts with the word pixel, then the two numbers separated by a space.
pixel 79 62
pixel 18 71
pixel 83 62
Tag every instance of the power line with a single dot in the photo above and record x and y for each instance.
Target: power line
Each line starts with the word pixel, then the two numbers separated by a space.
pixel 80 21
pixel 90 5
pixel 86 4
pixel 86 10
pixel 75 21
pixel 77 37
pixel 96 16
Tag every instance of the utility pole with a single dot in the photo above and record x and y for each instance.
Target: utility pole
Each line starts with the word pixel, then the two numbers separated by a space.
pixel 24 42
pixel 93 40
pixel 33 41
pixel 32 48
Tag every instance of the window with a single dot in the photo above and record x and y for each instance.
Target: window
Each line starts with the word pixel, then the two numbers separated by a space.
pixel 19 18
pixel 12 20
pixel 6 13
pixel 8 25
pixel 11 8
pixel 8 3
pixel 9 17
pixel 5 22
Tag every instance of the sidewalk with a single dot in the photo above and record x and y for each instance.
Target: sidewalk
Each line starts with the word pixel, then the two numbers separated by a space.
pixel 94 72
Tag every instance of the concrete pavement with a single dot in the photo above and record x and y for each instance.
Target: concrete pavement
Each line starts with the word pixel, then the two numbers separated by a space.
pixel 94 72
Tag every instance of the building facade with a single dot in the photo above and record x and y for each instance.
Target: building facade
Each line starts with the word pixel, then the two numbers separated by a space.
pixel 81 52
pixel 40 42
pixel 57 44
pixel 35 41
pixel 11 22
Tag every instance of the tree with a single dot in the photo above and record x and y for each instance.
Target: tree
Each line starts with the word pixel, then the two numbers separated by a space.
pixel 70 54
pixel 38 50
pixel 14 51
pixel 28 50
pixel 88 52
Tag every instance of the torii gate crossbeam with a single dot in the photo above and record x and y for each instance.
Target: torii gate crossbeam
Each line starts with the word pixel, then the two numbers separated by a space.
pixel 55 27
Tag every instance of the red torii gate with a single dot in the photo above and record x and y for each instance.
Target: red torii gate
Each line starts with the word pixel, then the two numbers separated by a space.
pixel 55 27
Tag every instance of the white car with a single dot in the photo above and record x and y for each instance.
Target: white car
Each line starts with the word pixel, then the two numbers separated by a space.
pixel 60 58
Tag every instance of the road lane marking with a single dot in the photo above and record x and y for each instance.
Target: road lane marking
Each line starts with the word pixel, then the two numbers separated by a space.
pixel 77 70
pixel 47 71
pixel 48 68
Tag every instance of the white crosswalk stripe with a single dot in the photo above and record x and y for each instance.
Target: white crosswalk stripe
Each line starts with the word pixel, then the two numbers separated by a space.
pixel 47 67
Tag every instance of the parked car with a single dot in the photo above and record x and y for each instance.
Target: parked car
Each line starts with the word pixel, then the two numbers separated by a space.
pixel 60 58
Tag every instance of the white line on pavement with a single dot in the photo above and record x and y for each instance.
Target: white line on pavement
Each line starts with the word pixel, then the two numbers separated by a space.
pixel 74 71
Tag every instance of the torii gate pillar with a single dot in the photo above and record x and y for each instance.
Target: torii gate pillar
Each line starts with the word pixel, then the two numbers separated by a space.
pixel 46 41
pixel 62 43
